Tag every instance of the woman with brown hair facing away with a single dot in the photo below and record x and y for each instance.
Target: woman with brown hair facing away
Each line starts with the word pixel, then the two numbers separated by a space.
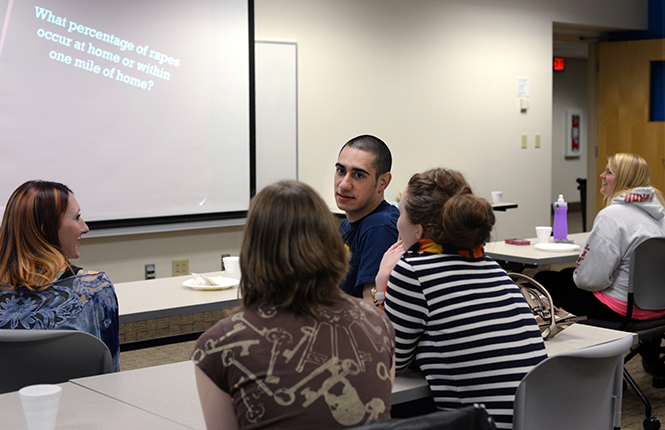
pixel 39 287
pixel 455 310
pixel 300 353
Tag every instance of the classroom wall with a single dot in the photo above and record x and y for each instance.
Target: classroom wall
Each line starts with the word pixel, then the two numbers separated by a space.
pixel 438 82
pixel 124 257
pixel 569 92
pixel 436 79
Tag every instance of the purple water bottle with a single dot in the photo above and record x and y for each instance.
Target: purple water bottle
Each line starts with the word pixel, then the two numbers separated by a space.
pixel 560 228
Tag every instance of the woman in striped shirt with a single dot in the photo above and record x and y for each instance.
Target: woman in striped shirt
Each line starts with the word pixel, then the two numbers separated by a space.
pixel 455 310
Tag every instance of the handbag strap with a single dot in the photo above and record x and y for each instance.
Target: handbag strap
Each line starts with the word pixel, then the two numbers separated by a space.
pixel 518 277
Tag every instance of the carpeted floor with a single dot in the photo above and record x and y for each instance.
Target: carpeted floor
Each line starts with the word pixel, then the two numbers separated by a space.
pixel 632 411
pixel 156 356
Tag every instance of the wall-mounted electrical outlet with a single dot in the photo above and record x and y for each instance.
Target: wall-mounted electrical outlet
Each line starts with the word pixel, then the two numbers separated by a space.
pixel 150 271
pixel 180 267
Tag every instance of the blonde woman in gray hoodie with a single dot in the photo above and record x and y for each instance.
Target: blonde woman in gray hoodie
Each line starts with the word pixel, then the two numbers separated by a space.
pixel 598 286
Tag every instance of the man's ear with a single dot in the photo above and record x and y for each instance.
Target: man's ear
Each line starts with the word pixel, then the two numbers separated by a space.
pixel 383 181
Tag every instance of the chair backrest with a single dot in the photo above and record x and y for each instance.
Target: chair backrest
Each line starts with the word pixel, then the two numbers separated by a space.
pixel 580 389
pixel 647 274
pixel 49 357
pixel 471 417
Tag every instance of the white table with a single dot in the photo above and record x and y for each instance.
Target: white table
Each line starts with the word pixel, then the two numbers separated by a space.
pixel 579 336
pixel 410 385
pixel 165 397
pixel 166 297
pixel 170 390
pixel 528 254
pixel 81 408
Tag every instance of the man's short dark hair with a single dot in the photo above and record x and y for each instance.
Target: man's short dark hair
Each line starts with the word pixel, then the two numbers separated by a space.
pixel 383 160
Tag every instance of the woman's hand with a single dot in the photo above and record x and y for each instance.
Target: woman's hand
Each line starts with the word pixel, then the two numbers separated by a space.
pixel 388 263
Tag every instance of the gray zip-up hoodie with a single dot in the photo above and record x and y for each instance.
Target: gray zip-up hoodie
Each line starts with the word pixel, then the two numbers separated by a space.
pixel 603 264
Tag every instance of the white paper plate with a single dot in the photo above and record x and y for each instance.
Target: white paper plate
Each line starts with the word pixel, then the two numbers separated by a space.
pixel 558 247
pixel 223 282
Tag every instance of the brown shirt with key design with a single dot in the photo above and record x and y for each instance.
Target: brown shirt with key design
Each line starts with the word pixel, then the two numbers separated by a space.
pixel 285 371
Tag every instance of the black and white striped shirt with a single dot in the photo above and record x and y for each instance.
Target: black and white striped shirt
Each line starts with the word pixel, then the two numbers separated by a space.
pixel 468 327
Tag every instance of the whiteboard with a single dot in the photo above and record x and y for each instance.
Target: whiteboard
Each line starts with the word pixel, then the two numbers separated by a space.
pixel 276 112
pixel 143 111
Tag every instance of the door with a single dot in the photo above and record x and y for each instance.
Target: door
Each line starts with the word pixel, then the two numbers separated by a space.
pixel 624 79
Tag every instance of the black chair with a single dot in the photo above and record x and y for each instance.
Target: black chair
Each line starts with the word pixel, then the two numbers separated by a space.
pixel 581 185
pixel 646 290
pixel 467 418
pixel 30 357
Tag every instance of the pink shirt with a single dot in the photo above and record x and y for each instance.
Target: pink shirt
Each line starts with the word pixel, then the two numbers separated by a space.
pixel 621 308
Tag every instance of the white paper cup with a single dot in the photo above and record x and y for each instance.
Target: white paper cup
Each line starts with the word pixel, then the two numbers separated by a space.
pixel 232 267
pixel 497 197
pixel 543 234
pixel 40 405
